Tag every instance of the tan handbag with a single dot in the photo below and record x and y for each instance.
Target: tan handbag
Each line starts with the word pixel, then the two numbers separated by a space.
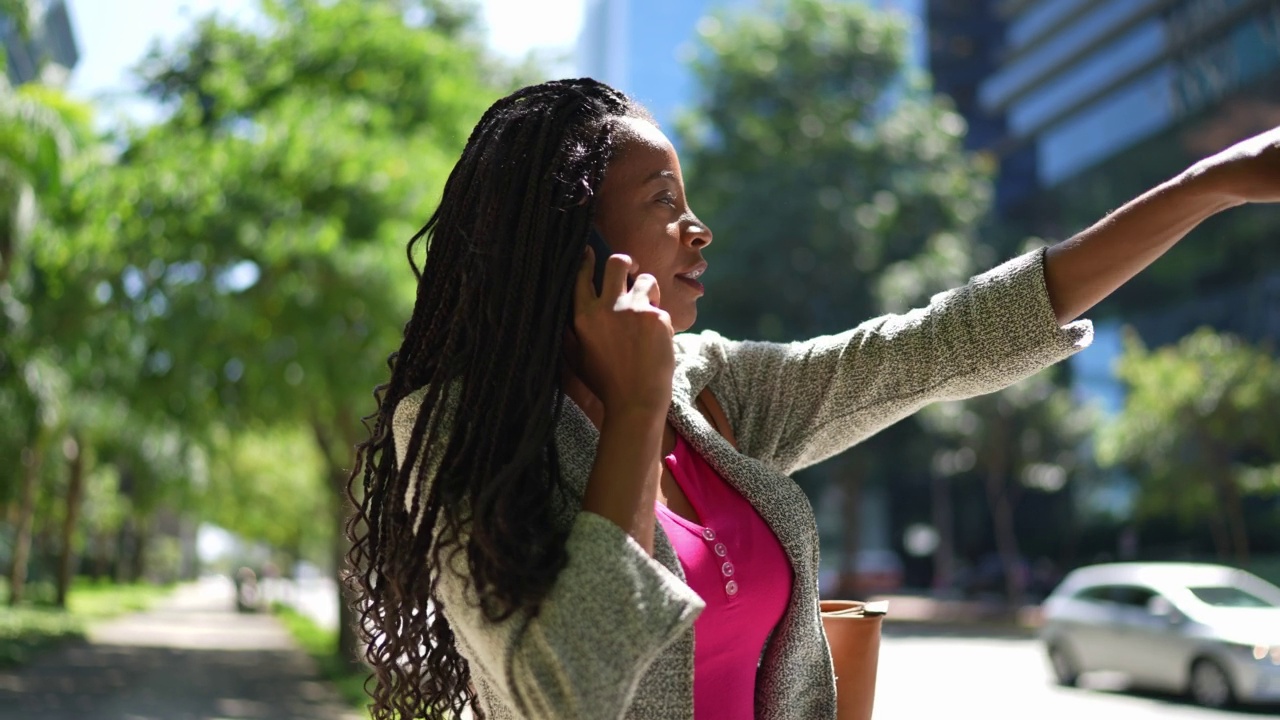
pixel 852 627
pixel 853 632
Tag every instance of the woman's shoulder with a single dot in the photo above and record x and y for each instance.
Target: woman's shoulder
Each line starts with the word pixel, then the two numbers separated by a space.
pixel 403 418
pixel 700 357
pixel 407 410
pixel 701 344
pixel 706 346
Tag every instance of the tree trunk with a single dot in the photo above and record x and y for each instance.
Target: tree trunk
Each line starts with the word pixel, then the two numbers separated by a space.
pixel 944 556
pixel 1070 548
pixel 349 649
pixel 138 562
pixel 1221 538
pixel 1232 504
pixel 188 532
pixel 1002 512
pixel 75 488
pixel 131 551
pixel 32 456
pixel 852 474
pixel 1236 521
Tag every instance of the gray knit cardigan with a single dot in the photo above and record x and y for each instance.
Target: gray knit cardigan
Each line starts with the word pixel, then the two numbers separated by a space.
pixel 614 638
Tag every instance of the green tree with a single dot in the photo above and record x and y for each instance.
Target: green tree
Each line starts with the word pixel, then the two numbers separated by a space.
pixel 251 493
pixel 264 221
pixel 39 130
pixel 1027 437
pixel 837 186
pixel 1198 432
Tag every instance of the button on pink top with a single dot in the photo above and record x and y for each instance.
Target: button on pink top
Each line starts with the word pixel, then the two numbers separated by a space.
pixel 736 564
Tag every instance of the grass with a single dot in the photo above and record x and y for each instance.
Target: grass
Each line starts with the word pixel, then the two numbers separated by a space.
pixel 319 642
pixel 25 631
pixel 35 627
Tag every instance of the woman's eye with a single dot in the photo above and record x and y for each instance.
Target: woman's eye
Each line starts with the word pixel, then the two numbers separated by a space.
pixel 668 200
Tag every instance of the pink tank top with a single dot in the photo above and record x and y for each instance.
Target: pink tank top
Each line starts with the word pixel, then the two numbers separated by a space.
pixel 737 566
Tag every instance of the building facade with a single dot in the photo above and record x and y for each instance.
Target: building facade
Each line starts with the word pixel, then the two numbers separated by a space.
pixel 1058 87
pixel 1087 103
pixel 48 51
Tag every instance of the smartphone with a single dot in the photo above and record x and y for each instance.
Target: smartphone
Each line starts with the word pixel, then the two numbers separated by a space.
pixel 602 251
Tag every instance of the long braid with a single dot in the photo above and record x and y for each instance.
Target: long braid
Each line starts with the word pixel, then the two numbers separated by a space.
pixel 485 339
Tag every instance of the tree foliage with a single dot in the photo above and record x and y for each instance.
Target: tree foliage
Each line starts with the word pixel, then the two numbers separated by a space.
pixel 1198 431
pixel 838 189
pixel 254 240
pixel 1030 437
pixel 40 131
pixel 265 220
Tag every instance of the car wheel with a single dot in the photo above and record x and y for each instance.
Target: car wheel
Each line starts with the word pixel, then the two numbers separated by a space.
pixel 1065 670
pixel 1210 684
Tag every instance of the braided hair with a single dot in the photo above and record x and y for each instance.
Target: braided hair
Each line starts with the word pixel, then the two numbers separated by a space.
pixel 494 299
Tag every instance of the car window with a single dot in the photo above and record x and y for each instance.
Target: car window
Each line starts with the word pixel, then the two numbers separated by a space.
pixel 1132 596
pixel 1127 595
pixel 1229 597
pixel 1098 593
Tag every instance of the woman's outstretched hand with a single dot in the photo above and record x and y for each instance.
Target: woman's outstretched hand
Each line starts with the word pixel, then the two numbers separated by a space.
pixel 1083 270
pixel 623 338
pixel 1247 172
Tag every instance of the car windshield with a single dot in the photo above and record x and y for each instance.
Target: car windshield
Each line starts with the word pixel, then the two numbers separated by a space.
pixel 1229 597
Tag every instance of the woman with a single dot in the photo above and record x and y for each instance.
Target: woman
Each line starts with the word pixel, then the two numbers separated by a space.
pixel 573 521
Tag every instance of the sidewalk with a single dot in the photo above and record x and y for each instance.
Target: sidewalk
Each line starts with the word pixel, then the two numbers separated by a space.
pixel 192 658
pixel 922 615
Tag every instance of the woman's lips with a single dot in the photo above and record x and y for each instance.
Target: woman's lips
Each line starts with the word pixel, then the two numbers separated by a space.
pixel 691 283
pixel 690 277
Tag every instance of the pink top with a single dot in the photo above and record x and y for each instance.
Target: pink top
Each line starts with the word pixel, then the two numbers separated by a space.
pixel 737 566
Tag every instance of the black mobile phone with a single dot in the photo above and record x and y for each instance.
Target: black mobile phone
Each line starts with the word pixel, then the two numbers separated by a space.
pixel 602 251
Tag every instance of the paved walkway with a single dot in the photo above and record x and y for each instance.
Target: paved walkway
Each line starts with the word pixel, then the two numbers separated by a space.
pixel 192 658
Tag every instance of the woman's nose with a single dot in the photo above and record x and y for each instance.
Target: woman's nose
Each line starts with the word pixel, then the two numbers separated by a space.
pixel 697 234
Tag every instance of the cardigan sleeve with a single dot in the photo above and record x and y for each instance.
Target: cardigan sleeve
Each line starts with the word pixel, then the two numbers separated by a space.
pixel 608 615
pixel 792 405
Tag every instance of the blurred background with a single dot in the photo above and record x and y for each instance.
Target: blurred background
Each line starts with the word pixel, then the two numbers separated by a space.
pixel 203 211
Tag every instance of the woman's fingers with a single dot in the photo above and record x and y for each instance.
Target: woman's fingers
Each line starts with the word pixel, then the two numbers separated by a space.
pixel 615 275
pixel 645 293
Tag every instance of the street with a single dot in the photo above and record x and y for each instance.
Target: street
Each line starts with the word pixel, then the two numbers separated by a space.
pixel 996 679
pixel 922 675
pixel 195 659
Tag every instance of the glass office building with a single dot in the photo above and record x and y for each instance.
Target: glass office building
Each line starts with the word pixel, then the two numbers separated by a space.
pixel 1057 87
pixel 49 44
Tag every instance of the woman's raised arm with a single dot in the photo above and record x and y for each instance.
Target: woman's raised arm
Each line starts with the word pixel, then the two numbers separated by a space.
pixel 1081 271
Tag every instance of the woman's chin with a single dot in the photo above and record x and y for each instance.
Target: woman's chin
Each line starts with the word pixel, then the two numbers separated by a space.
pixel 683 321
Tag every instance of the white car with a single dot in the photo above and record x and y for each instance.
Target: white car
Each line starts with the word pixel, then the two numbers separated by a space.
pixel 1207 630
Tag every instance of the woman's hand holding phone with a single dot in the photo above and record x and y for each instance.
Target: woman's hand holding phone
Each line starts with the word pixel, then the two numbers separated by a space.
pixel 623 352
pixel 626 355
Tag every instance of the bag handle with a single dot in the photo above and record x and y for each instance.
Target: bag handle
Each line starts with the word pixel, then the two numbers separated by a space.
pixel 711 410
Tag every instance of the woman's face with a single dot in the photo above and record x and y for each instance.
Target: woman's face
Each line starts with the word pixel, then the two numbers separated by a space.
pixel 642 212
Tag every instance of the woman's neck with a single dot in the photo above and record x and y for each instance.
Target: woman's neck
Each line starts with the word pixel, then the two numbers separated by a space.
pixel 583 397
pixel 593 408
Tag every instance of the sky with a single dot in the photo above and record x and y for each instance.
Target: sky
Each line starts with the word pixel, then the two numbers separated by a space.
pixel 114 34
